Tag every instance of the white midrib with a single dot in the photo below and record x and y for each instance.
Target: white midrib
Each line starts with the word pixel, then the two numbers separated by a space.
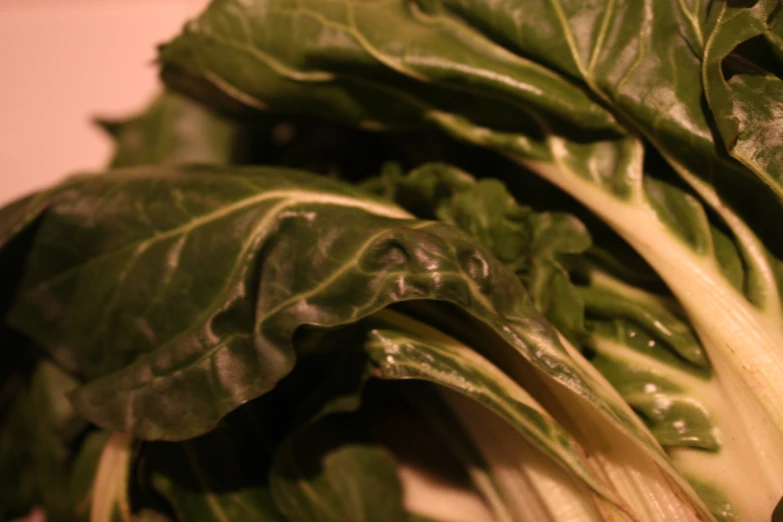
pixel 293 197
pixel 110 486
pixel 729 469
pixel 746 341
pixel 632 479
pixel 289 198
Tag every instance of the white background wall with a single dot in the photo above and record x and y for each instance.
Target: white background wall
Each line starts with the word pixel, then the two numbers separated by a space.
pixel 65 61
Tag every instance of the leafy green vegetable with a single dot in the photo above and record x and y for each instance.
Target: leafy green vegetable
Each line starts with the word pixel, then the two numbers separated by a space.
pixel 35 432
pixel 188 336
pixel 658 178
pixel 200 349
pixel 746 100
pixel 183 377
pixel 443 361
pixel 135 265
pixel 637 339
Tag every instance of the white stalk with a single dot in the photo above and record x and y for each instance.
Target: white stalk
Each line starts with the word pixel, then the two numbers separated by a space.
pixel 736 470
pixel 427 495
pixel 536 489
pixel 744 343
pixel 638 478
pixel 110 486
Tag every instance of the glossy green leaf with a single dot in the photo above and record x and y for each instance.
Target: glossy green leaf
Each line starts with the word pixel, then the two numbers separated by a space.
pixel 532 244
pixel 642 58
pixel 652 357
pixel 608 297
pixel 700 219
pixel 436 358
pixel 275 45
pixel 666 391
pixel 134 264
pixel 746 100
pixel 411 350
pixel 165 367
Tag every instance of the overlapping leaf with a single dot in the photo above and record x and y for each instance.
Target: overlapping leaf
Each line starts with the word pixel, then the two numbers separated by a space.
pixel 639 60
pixel 187 304
pixel 746 99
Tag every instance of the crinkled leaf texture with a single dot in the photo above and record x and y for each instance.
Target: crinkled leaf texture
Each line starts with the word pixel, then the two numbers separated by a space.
pixel 147 282
pixel 175 295
pixel 494 74
pixel 637 339
pixel 179 292
pixel 745 97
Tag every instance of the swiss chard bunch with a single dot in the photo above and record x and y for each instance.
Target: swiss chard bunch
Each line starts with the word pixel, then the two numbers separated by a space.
pixel 417 329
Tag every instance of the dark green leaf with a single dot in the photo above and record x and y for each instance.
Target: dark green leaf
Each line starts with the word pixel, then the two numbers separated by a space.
pixel 17 216
pixel 607 297
pixel 529 243
pixel 668 393
pixel 168 288
pixel 325 474
pixel 178 294
pixel 174 130
pixel 746 100
pixel 660 179
pixel 273 46
pixel 209 479
pixel 35 432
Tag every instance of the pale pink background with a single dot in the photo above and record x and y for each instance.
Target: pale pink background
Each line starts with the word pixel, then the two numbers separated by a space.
pixel 64 61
